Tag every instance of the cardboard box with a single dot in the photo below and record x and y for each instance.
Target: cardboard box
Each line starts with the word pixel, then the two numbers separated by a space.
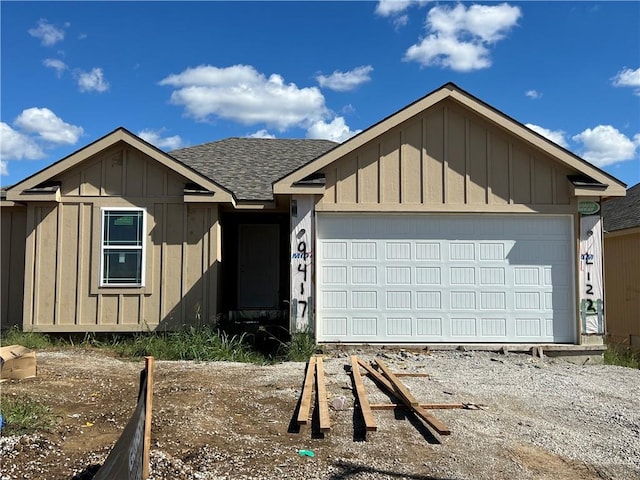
pixel 17 362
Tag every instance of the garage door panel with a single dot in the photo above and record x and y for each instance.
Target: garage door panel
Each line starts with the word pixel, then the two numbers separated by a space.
pixel 445 278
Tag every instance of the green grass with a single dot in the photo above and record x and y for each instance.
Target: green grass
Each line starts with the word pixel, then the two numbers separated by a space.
pixel 622 356
pixel 22 415
pixel 301 346
pixel 33 340
pixel 200 343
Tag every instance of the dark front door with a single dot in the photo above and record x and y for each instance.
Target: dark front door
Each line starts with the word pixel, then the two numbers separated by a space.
pixel 258 270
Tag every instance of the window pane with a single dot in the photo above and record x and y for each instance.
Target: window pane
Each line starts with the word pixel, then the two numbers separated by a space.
pixel 123 228
pixel 122 267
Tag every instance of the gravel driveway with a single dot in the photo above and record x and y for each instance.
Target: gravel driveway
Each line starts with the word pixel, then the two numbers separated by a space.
pixel 540 419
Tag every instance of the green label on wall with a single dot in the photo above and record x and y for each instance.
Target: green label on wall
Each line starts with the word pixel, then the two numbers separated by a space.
pixel 124 220
pixel 587 207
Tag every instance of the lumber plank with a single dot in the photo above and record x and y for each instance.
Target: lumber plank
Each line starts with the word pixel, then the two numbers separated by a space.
pixel 436 424
pixel 410 374
pixel 378 377
pixel 307 389
pixel 428 406
pixel 321 393
pixel 398 385
pixel 361 394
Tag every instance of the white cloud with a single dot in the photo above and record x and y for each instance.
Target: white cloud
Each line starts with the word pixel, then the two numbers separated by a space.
pixel 58 65
pixel 47 33
pixel 345 81
pixel 533 94
pixel 388 8
pixel 628 78
pixel 17 146
pixel 92 81
pixel 154 137
pixel 605 145
pixel 556 136
pixel 242 94
pixel 337 130
pixel 262 133
pixel 458 37
pixel 4 168
pixel 48 126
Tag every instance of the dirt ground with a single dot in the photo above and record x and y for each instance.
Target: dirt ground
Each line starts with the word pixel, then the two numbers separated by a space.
pixel 227 420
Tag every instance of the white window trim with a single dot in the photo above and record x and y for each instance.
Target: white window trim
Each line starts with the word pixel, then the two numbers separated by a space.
pixel 143 264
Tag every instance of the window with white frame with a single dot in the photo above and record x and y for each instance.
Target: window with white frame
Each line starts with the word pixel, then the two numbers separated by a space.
pixel 122 259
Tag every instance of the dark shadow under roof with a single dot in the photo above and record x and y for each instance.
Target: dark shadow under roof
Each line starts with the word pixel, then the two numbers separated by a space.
pixel 249 166
pixel 622 212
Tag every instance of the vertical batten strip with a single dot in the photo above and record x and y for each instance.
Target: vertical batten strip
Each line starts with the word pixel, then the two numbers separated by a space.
pixel 183 271
pixel 79 265
pixel 163 262
pixel 145 176
pixel 489 189
pixel 554 196
pixel 445 153
pixel 532 179
pixel 123 184
pixel 423 155
pixel 30 273
pixel 103 176
pixel 401 148
pixel 467 165
pixel 58 273
pixel 510 168
pixel 120 309
pixel 379 163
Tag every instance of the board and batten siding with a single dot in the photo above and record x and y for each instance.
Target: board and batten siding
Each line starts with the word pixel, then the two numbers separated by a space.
pixel 63 247
pixel 446 158
pixel 12 231
pixel 622 287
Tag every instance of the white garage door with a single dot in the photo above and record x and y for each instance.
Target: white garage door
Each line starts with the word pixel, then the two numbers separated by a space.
pixel 437 278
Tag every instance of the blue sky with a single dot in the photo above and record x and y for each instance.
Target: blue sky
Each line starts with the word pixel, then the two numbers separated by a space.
pixel 185 73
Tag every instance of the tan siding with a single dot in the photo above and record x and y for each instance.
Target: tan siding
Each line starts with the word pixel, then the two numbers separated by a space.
pixel 456 158
pixel 434 168
pixel 622 285
pixel 499 170
pixel 182 250
pixel 68 258
pixel 347 185
pixel 368 185
pixel 92 179
pixel 477 165
pixel 390 168
pixel 113 175
pixel 411 165
pixel 13 235
pixel 446 156
pixel 135 174
pixel 521 177
pixel 543 193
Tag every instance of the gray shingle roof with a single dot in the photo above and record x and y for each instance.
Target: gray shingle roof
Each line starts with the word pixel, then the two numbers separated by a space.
pixel 622 212
pixel 249 166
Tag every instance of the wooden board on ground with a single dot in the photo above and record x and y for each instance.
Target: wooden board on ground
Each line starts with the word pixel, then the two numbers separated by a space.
pixel 361 394
pixel 321 393
pixel 307 389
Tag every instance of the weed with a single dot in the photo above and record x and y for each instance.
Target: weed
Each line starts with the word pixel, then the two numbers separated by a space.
pixel 622 356
pixel 22 415
pixel 301 346
pixel 33 340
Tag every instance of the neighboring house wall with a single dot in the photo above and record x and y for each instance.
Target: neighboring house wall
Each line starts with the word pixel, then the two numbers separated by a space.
pixel 64 249
pixel 622 276
pixel 13 231
pixel 446 158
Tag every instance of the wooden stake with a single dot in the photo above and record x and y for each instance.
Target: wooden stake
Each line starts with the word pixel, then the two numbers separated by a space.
pixel 149 364
pixel 307 388
pixel 361 394
pixel 321 392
